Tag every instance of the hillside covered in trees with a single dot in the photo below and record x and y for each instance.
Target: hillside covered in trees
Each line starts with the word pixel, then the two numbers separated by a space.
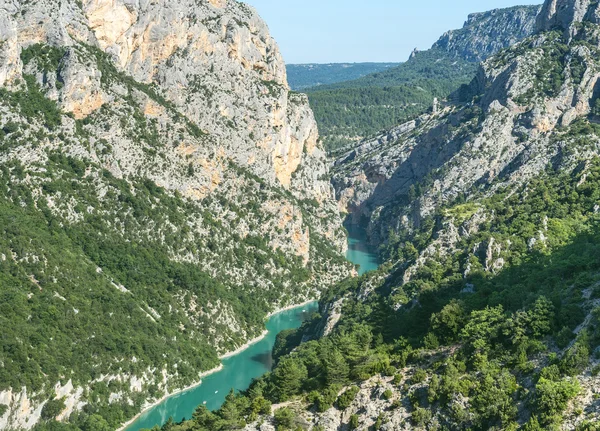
pixel 350 111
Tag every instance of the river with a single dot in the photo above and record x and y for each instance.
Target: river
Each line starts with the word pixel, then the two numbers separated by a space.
pixel 359 252
pixel 239 370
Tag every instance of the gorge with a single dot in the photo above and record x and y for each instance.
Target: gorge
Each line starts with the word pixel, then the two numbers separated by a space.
pixel 163 191
pixel 253 362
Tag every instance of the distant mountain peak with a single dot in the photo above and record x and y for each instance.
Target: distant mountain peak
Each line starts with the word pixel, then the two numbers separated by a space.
pixel 486 33
pixel 567 14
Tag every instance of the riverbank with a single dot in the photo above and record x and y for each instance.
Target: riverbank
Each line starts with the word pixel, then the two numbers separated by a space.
pixel 217 369
pixel 167 396
pixel 265 332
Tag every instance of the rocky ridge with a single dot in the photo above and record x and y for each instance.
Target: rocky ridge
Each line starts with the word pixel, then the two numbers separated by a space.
pixel 502 137
pixel 466 203
pixel 486 33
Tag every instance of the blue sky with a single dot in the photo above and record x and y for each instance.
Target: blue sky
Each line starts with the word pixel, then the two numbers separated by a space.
pixel 328 31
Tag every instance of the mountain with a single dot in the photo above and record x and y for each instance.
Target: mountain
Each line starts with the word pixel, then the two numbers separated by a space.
pixel 162 190
pixel 350 111
pixel 485 314
pixel 302 76
pixel 486 33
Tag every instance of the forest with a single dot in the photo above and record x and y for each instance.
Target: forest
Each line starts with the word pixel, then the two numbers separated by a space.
pixel 353 110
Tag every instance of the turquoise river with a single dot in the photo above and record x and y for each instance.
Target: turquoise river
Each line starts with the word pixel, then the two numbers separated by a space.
pixel 239 370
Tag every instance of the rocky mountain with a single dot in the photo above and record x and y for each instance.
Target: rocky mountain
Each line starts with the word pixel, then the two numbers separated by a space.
pixel 351 111
pixel 162 190
pixel 484 34
pixel 486 312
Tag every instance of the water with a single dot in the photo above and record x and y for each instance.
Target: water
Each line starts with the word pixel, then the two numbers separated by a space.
pixel 359 252
pixel 238 372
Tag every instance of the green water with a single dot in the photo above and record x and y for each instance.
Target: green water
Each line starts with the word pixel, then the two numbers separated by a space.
pixel 359 252
pixel 239 370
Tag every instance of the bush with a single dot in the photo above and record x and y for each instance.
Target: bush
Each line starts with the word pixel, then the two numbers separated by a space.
pixel 284 418
pixel 53 408
pixel 420 416
pixel 388 394
pixel 345 400
pixel 552 398
pixel 564 337
pixel 419 376
pixel 354 422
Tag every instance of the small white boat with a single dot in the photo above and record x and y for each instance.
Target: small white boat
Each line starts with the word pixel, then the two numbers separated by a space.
pixel 216 392
pixel 203 402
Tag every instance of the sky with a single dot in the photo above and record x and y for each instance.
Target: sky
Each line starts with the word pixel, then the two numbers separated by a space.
pixel 339 31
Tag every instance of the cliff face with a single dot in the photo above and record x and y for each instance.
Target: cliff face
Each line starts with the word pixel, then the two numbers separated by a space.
pixel 381 171
pixel 214 61
pixel 159 147
pixel 486 33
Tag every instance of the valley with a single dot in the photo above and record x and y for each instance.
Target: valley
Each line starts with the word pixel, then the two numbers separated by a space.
pixel 241 368
pixel 167 200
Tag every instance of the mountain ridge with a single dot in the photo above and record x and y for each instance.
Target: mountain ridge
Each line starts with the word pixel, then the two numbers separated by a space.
pixel 351 111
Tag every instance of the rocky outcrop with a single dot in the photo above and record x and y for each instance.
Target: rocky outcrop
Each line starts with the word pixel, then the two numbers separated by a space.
pixel 484 34
pixel 215 61
pixel 567 15
pixel 505 136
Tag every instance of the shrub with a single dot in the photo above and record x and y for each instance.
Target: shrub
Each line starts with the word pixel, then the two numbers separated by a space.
pixel 552 398
pixel 419 376
pixel 284 418
pixel 388 394
pixel 53 408
pixel 421 416
pixel 345 400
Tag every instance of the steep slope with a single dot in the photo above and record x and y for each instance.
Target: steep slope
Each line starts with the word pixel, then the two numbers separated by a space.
pixel 162 190
pixel 486 314
pixel 350 111
pixel 303 76
pixel 487 33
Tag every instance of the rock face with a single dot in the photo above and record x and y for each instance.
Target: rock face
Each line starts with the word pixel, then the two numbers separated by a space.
pixel 504 136
pixel 381 169
pixel 215 61
pixel 567 14
pixel 187 143
pixel 484 34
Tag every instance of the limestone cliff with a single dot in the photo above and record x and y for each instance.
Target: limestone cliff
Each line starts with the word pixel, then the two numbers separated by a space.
pixel 486 33
pixel 150 133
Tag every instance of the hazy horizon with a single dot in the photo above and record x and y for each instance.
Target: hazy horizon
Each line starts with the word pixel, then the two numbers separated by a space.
pixel 381 31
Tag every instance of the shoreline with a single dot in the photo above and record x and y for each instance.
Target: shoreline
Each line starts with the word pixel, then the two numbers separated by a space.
pixel 216 369
pixel 167 396
pixel 290 307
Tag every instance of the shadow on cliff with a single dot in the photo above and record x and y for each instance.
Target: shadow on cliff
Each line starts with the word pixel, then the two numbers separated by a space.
pixel 431 152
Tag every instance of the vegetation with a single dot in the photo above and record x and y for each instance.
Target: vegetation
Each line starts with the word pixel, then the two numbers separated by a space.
pixel 505 331
pixel 302 76
pixel 351 110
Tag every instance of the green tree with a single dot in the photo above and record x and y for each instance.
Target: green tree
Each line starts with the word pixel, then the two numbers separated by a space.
pixel 53 408
pixel 284 418
pixel 96 423
pixel 289 377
